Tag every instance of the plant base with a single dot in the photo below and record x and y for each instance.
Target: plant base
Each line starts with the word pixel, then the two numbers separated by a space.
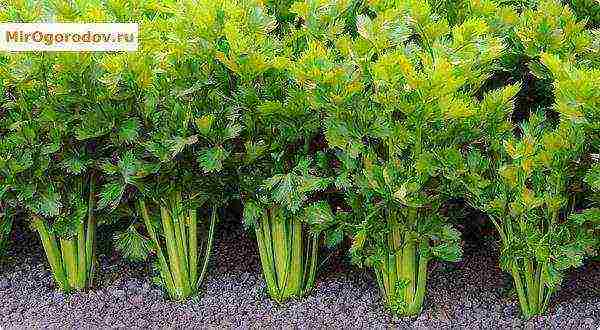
pixel 402 274
pixel 533 294
pixel 71 259
pixel 402 286
pixel 179 261
pixel 287 255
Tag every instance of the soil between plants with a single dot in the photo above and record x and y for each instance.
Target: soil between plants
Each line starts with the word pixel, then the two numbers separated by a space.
pixel 474 293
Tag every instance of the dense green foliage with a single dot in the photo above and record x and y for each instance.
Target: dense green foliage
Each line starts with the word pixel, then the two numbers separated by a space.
pixel 282 165
pixel 588 10
pixel 58 122
pixel 176 160
pixel 327 120
pixel 524 190
pixel 528 183
pixel 400 104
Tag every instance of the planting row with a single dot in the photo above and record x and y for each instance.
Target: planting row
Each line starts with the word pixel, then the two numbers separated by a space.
pixel 327 119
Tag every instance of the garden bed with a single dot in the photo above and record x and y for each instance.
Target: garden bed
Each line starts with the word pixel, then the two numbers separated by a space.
pixel 473 293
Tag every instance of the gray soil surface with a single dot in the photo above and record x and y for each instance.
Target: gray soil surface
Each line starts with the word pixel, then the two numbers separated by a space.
pixel 471 294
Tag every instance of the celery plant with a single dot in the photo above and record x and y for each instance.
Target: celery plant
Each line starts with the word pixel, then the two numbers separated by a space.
pixel 579 80
pixel 530 189
pixel 399 91
pixel 527 183
pixel 181 267
pixel 58 123
pixel 281 217
pixel 61 207
pixel 526 194
pixel 49 172
pixel 168 212
pixel 535 176
pixel 183 129
pixel 282 166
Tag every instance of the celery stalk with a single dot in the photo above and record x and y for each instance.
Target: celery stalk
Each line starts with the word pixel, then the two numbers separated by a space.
pixel 209 244
pixel 163 266
pixel 417 304
pixel 294 282
pixel 289 264
pixel 81 257
pixel 173 253
pixel 90 239
pixel 193 248
pixel 69 256
pixel 53 254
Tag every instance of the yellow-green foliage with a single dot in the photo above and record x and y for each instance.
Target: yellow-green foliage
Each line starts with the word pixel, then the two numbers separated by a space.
pixel 327 119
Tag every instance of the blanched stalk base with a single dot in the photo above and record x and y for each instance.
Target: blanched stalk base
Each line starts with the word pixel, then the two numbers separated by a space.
pixel 288 257
pixel 178 257
pixel 533 293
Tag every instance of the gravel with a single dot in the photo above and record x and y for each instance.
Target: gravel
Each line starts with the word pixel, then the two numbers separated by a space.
pixel 471 294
